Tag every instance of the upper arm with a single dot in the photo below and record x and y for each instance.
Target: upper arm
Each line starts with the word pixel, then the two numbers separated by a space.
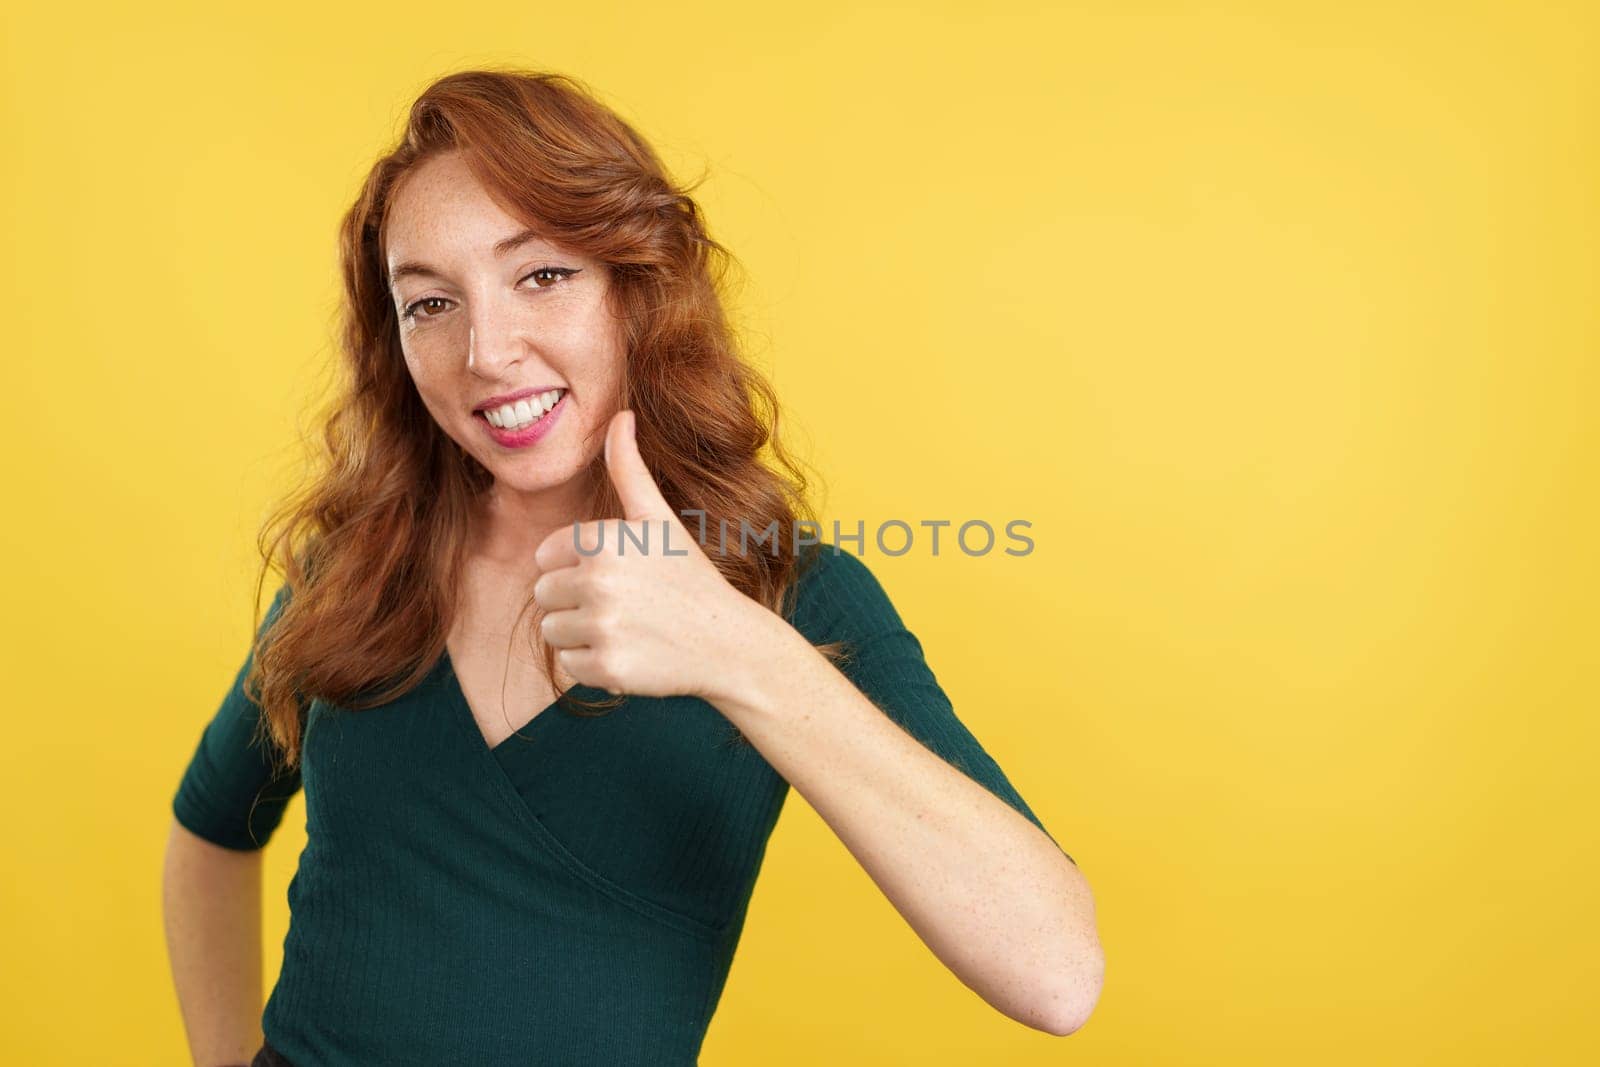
pixel 230 794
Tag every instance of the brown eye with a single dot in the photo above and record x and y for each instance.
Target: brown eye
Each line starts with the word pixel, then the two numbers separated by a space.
pixel 411 309
pixel 559 272
pixel 433 303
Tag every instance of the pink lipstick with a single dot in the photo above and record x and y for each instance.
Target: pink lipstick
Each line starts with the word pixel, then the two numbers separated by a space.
pixel 529 434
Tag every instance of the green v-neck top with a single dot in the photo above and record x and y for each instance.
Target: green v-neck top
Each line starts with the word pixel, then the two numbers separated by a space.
pixel 572 895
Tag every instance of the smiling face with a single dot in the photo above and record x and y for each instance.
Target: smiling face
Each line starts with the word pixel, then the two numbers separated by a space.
pixel 487 312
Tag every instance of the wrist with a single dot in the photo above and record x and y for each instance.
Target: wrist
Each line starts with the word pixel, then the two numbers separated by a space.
pixel 754 657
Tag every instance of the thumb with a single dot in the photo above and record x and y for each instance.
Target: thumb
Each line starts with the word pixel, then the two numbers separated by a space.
pixel 641 497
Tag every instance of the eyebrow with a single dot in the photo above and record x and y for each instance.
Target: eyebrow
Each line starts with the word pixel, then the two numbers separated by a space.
pixel 509 244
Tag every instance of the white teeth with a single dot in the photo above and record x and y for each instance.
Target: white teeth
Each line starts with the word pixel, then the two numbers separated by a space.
pixel 523 412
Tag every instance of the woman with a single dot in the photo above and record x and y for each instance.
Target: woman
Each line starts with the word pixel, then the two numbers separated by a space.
pixel 545 721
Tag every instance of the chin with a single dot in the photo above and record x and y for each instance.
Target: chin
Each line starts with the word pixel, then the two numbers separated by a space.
pixel 530 476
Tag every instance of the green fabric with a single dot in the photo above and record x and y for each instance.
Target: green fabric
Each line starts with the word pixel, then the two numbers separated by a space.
pixel 573 895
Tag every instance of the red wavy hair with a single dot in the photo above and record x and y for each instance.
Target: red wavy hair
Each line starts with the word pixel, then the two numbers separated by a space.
pixel 372 546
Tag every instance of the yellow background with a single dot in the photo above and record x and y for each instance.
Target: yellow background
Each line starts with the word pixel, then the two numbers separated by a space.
pixel 1277 321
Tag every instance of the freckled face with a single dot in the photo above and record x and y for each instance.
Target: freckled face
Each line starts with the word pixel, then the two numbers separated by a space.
pixel 479 321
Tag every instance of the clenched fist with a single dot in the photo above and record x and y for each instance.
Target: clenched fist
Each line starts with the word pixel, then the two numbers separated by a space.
pixel 651 621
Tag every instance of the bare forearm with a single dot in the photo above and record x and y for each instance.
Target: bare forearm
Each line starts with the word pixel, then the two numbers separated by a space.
pixel 988 892
pixel 211 905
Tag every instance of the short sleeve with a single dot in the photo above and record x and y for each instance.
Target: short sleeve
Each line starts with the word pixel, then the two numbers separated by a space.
pixel 840 599
pixel 229 794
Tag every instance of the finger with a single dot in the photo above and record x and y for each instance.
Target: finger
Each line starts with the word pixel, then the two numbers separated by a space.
pixel 582 665
pixel 566 629
pixel 636 487
pixel 559 589
pixel 560 546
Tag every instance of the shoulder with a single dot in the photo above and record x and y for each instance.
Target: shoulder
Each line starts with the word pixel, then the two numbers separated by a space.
pixel 838 596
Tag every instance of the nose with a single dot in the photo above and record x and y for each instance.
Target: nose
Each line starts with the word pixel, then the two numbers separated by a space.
pixel 494 336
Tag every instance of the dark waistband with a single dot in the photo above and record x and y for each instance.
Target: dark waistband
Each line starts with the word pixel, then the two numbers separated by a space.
pixel 269 1057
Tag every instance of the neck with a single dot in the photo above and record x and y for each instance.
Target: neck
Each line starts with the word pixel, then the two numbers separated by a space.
pixel 510 524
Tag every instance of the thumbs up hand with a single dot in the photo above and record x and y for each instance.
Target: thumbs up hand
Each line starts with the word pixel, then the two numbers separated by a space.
pixel 655 620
